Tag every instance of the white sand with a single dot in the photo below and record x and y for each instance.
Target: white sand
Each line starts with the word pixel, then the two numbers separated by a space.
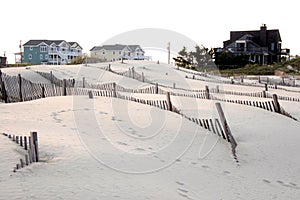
pixel 107 148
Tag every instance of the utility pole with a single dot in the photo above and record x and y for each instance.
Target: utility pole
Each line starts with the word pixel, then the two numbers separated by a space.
pixel 21 54
pixel 169 52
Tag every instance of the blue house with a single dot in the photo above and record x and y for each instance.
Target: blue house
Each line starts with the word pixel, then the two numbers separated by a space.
pixel 50 52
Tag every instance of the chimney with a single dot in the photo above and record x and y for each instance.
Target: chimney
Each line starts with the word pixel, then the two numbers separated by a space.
pixel 263 35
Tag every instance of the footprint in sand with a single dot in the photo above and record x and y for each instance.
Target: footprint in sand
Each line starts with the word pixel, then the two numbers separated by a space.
pixel 182 190
pixel 179 183
pixel 103 113
pixel 293 184
pixel 266 181
pixel 205 166
pixel 226 172
pixel 122 143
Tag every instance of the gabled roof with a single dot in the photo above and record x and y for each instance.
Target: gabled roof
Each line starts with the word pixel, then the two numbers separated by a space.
pixel 75 45
pixel 34 42
pixel 48 42
pixel 272 35
pixel 116 47
pixel 109 47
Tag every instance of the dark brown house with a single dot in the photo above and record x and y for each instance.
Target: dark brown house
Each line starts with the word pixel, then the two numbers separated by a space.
pixel 2 61
pixel 261 46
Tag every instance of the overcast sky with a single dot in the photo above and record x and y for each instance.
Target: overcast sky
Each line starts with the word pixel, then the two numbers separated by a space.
pixel 92 22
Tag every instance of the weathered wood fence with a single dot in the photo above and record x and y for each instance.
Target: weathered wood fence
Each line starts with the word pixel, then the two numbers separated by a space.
pixel 30 146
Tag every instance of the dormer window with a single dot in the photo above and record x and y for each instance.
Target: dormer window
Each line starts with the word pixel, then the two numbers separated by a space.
pixel 43 48
pixel 240 45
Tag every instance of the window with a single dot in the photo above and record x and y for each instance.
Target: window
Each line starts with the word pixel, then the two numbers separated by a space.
pixel 43 48
pixel 113 53
pixel 46 56
pixel 240 46
pixel 272 46
pixel 120 52
pixel 31 48
pixel 41 56
pixel 103 52
pixel 29 56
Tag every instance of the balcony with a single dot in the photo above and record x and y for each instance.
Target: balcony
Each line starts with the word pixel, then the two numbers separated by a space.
pixel 249 50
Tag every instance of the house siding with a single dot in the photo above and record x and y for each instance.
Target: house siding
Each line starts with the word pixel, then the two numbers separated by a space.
pixel 263 44
pixel 50 52
pixel 116 52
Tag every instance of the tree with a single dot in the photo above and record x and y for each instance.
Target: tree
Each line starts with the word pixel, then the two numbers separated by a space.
pixel 182 62
pixel 183 53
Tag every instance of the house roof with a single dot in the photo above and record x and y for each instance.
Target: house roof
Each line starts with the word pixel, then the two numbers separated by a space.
pixel 109 47
pixel 75 44
pixel 48 42
pixel 116 47
pixel 272 35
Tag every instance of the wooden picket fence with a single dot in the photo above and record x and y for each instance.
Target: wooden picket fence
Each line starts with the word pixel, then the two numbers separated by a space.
pixel 271 84
pixel 109 90
pixel 30 146
pixel 157 90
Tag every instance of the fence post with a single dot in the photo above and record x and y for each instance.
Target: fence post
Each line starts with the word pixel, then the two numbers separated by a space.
pixel 25 143
pixel 207 92
pixel 259 79
pixel 90 94
pixel 225 125
pixel 21 141
pixel 114 90
pixel 31 150
pixel 217 89
pixel 169 104
pixel 283 83
pixel 132 69
pixel 174 85
pixel 143 77
pixel 242 79
pixel 266 87
pixel 64 87
pixel 35 145
pixel 20 87
pixel 21 162
pixel 26 159
pixel 83 82
pixel 43 91
pixel 4 95
pixel 51 77
pixel 294 83
pixel 264 94
pixel 156 88
pixel 276 103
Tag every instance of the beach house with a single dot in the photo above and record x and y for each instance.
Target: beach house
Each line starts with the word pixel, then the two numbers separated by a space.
pixel 50 51
pixel 260 46
pixel 118 52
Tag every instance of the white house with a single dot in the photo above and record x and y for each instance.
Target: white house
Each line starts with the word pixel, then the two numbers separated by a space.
pixel 117 52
